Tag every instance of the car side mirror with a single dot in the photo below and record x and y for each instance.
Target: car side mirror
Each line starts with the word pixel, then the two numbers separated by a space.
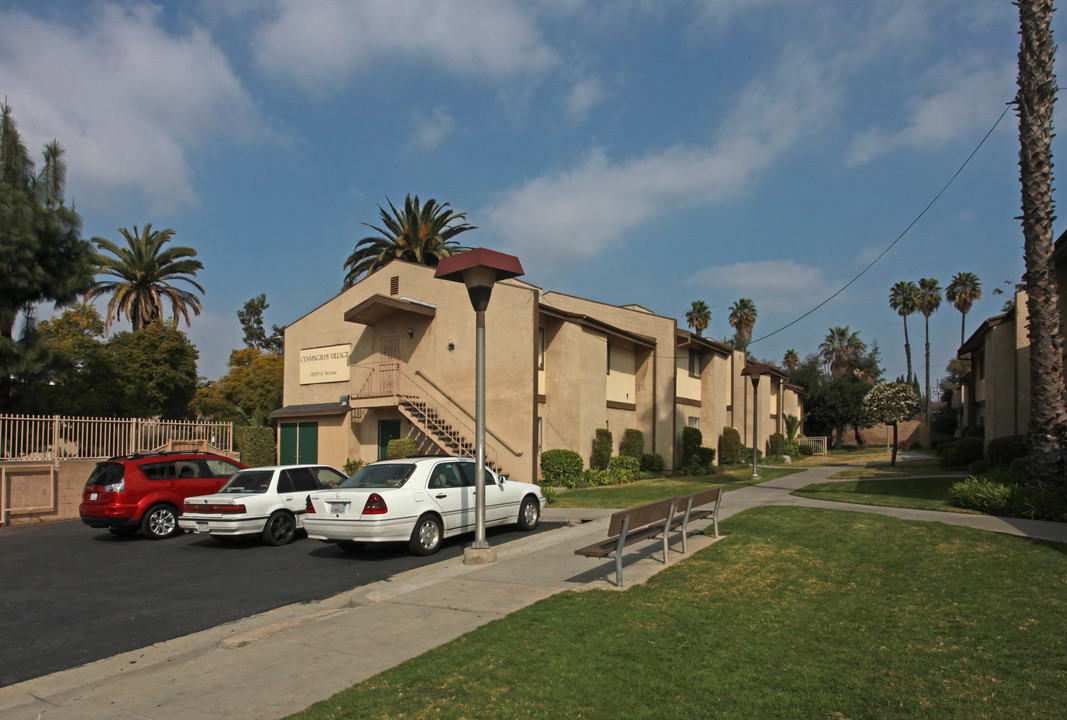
pixel 503 478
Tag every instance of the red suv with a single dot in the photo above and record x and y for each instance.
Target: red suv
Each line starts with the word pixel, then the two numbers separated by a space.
pixel 146 491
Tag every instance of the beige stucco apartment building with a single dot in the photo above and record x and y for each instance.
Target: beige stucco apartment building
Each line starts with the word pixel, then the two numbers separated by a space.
pixel 996 392
pixel 394 356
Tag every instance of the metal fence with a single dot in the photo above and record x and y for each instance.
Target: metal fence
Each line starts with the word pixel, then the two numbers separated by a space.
pixel 36 438
pixel 818 445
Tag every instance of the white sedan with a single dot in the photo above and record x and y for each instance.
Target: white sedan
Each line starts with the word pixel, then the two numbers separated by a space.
pixel 268 501
pixel 419 501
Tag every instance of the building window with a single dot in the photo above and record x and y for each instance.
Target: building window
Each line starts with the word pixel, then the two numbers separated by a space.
pixel 693 422
pixel 540 348
pixel 609 358
pixel 695 358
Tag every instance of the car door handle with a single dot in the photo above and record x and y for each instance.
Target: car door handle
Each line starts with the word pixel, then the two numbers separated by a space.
pixel 442 496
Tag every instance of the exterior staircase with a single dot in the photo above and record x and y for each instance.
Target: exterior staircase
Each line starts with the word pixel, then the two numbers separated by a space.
pixel 433 425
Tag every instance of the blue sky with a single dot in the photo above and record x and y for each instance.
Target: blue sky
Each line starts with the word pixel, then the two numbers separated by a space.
pixel 653 152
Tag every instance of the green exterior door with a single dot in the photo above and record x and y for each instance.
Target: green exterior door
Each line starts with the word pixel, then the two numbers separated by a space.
pixel 387 430
pixel 299 443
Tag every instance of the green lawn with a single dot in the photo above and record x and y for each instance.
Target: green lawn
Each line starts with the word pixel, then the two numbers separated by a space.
pixel 795 613
pixel 921 493
pixel 645 491
pixel 916 468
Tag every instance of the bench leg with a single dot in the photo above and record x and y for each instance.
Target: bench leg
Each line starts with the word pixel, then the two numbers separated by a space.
pixel 667 535
pixel 619 549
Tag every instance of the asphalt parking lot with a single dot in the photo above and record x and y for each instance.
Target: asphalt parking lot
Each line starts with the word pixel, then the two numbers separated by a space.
pixel 72 594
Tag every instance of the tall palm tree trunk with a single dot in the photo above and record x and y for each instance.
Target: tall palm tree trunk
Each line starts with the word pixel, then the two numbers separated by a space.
pixel 1034 104
pixel 907 351
pixel 928 371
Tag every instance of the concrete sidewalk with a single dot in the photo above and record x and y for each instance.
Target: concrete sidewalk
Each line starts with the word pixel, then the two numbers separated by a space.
pixel 279 662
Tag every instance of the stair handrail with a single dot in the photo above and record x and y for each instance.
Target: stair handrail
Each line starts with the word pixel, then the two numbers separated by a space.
pixel 435 386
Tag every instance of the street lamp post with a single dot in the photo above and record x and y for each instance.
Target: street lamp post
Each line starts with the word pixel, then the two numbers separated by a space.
pixel 754 372
pixel 479 269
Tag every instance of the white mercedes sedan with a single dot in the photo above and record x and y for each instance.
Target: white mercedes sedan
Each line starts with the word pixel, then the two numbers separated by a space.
pixel 268 501
pixel 420 501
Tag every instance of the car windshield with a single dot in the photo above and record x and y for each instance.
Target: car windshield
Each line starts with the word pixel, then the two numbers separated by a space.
pixel 249 481
pixel 389 475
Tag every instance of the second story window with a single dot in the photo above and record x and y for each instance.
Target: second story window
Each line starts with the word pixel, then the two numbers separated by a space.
pixel 540 348
pixel 694 362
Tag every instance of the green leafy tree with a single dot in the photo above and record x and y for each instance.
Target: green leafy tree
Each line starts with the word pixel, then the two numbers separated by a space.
pixel 840 348
pixel 81 378
pixel 892 403
pixel 742 319
pixel 904 298
pixel 157 365
pixel 698 317
pixel 42 255
pixel 251 318
pixel 964 290
pixel 421 233
pixel 927 302
pixel 144 275
pixel 248 392
pixel 837 403
pixel 1034 103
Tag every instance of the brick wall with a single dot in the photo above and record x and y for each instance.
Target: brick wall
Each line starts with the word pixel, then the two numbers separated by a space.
pixel 53 494
pixel 909 434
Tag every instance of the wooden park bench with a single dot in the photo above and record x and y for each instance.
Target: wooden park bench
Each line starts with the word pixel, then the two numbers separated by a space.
pixel 627 527
pixel 697 506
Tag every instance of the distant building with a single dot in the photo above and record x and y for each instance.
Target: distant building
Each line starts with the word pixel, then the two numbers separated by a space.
pixel 393 356
pixel 996 391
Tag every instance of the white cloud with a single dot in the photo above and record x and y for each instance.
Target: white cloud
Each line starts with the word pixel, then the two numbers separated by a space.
pixel 965 102
pixel 774 285
pixel 583 96
pixel 600 199
pixel 322 45
pixel 128 101
pixel 432 129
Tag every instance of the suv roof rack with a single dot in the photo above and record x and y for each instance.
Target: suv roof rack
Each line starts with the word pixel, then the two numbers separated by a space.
pixel 161 453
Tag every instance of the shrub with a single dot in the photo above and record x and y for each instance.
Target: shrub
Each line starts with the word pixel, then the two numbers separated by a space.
pixel 652 462
pixel 692 439
pixel 962 452
pixel 598 459
pixel 550 494
pixel 702 463
pixel 1000 492
pixel 624 469
pixel 256 445
pixel 979 467
pixel 1003 450
pixel 806 450
pixel 706 457
pixel 792 425
pixel 561 468
pixel 977 431
pixel 632 444
pixel 746 455
pixel 730 447
pixel 792 448
pixel 401 448
pixel 776 445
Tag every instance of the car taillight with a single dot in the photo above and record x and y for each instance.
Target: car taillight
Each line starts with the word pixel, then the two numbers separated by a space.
pixel 220 509
pixel 375 505
pixel 309 509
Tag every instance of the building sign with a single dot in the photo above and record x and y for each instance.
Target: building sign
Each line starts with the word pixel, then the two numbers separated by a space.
pixel 324 364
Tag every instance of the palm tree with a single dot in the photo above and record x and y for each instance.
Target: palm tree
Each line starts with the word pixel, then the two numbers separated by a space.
pixel 1034 103
pixel 962 292
pixel 699 317
pixel 840 347
pixel 791 360
pixel 927 301
pixel 144 274
pixel 422 233
pixel 903 297
pixel 743 319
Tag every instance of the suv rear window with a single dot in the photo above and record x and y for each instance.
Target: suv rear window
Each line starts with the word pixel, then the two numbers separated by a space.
pixel 386 475
pixel 106 473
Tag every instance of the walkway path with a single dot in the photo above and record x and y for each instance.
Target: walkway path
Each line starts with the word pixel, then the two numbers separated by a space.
pixel 279 662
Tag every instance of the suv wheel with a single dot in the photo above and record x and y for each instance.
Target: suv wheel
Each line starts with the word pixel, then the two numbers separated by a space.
pixel 161 521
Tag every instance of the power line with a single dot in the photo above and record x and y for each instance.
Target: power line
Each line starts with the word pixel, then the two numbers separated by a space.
pixel 900 236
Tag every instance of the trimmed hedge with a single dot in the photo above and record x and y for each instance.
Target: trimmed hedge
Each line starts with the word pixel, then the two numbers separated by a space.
pixel 730 447
pixel 625 468
pixel 962 452
pixel 401 448
pixel 632 443
pixel 652 462
pixel 256 445
pixel 692 439
pixel 1002 451
pixel 561 468
pixel 776 445
pixel 601 455
pixel 1001 492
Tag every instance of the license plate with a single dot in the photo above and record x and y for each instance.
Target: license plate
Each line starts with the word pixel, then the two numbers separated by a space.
pixel 339 508
pixel 93 496
pixel 201 527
